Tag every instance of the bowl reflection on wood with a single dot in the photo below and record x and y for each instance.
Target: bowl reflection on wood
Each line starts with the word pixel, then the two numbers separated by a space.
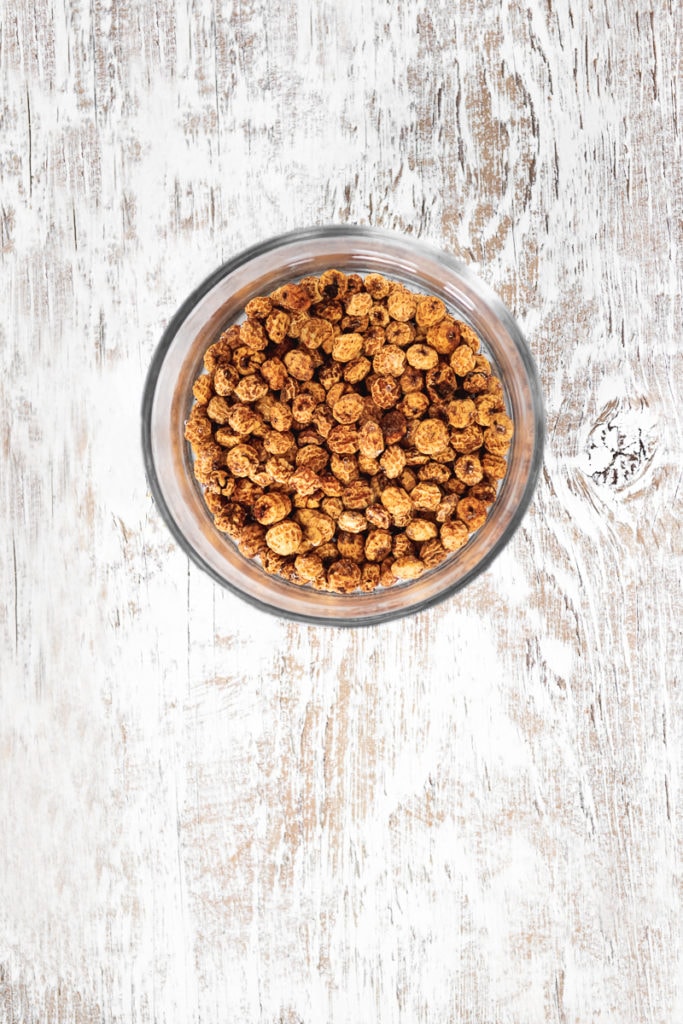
pixel 220 301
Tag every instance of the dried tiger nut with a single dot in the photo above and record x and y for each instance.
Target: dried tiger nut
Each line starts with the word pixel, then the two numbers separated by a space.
pixel 390 360
pixel 385 391
pixel 347 347
pixel 461 412
pixel 368 465
pixel 332 507
pixel 344 467
pixel 218 410
pixel 369 576
pixel 274 372
pixel 251 540
pixel 371 439
pixel 312 286
pixel 333 284
pixel 401 304
pixel 227 438
pixel 225 380
pixel 202 389
pixel 441 383
pixel 231 520
pixel 354 324
pixel 414 405
pixel 444 338
pixel 292 297
pixel 486 406
pixel 284 537
pixel 299 364
pixel 277 326
pixel 394 426
pixel 453 535
pixel 278 442
pixel 422 357
pixel 398 504
pixel 482 364
pixel 243 419
pixel 434 472
pixel 272 563
pixel 501 426
pixel 447 508
pixel 271 508
pixel 421 529
pixel 304 481
pixel 327 552
pixel 309 567
pixel 468 469
pixel 259 307
pixel 468 440
pixel 475 382
pixel 386 577
pixel 303 407
pixel 352 522
pixel 432 553
pixel 329 485
pixel 431 436
pixel 217 355
pixel 358 304
pixel 399 334
pixel 472 512
pixel 251 388
pixel 357 370
pixel 378 516
pixel 315 332
pixel 354 283
pixel 462 360
pixel 408 567
pixel 330 310
pixel 313 457
pixel 377 286
pixel 215 502
pixel 246 492
pixel 483 491
pixel 429 311
pixel 279 469
pixel 373 341
pixel 253 335
pixel 351 545
pixel 393 461
pixel 426 496
pixel 318 528
pixel 411 380
pixel 468 336
pixel 242 460
pixel 378 316
pixel 343 576
pixel 247 360
pixel 357 495
pixel 343 439
pixel 495 467
pixel 378 545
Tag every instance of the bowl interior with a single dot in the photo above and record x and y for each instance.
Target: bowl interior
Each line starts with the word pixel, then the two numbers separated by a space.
pixel 220 302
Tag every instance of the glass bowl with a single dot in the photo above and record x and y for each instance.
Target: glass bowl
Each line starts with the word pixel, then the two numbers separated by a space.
pixel 219 302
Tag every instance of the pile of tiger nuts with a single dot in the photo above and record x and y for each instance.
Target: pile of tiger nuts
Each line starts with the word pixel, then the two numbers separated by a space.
pixel 348 433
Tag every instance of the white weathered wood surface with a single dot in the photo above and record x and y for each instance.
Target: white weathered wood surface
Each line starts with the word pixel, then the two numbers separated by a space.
pixel 208 814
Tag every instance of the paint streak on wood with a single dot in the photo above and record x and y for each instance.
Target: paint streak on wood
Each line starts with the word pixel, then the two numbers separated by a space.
pixel 208 814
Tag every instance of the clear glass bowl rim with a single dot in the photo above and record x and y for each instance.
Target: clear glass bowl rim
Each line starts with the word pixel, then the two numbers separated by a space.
pixel 372 235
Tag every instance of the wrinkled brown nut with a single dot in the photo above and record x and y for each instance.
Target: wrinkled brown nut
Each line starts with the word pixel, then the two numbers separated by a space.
pixel 347 347
pixel 271 508
pixel 348 408
pixel 352 522
pixel 378 545
pixel 344 576
pixel 421 529
pixel 430 436
pixel 432 553
pixel 333 420
pixel 309 567
pixel 284 537
pixel 462 360
pixel 408 567
pixel 398 504
pixel 494 466
pixel 453 535
pixel 430 311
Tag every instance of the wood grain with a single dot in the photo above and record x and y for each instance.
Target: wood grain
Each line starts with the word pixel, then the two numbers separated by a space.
pixel 208 814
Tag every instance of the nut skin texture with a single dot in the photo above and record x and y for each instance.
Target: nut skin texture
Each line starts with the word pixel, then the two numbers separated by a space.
pixel 348 433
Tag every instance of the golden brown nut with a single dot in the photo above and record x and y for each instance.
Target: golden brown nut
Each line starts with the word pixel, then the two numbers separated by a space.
pixel 377 545
pixel 431 436
pixel 398 504
pixel 271 508
pixel 393 461
pixel 453 535
pixel 429 311
pixel 347 347
pixel 344 576
pixel 284 537
pixel 421 529
pixel 408 567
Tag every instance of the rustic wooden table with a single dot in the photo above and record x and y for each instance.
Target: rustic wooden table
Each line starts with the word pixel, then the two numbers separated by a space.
pixel 209 814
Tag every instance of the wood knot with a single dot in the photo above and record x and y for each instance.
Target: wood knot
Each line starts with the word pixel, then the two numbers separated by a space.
pixel 620 446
